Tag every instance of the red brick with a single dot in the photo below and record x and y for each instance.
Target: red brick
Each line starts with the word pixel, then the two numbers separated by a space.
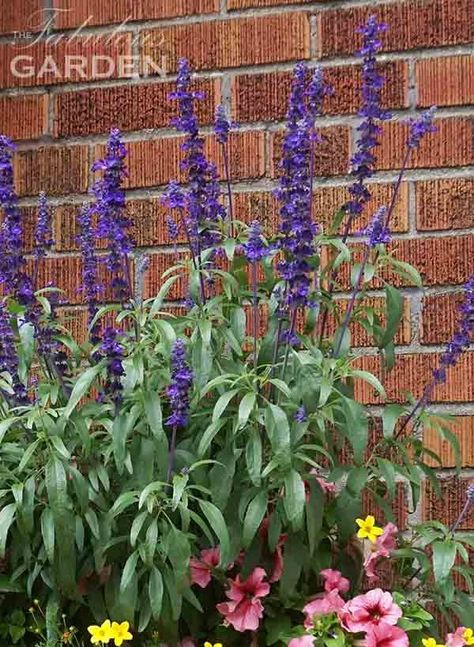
pixel 52 55
pixel 264 97
pixel 327 200
pixel 412 373
pixel 411 25
pixel 24 117
pixel 463 429
pixel 148 224
pixel 332 154
pixel 451 145
pixel 449 505
pixel 128 107
pixel 155 162
pixel 248 4
pixel 445 204
pixel 231 43
pixel 446 81
pixel 439 318
pixel 55 170
pixel 21 15
pixel 105 12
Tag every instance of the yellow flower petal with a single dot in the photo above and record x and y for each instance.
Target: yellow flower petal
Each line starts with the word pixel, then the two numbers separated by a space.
pixel 360 523
pixel 370 520
pixel 468 636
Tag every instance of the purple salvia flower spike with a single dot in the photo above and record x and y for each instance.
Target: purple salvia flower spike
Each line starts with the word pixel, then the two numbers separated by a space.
pixel 180 386
pixel 43 232
pixel 369 130
pixel 376 231
pixel 178 393
pixel 203 194
pixel 113 222
pixel 12 261
pixel 91 286
pixel 222 125
pixel 113 352
pixel 9 356
pixel 294 194
pixel 255 248
pixel 420 127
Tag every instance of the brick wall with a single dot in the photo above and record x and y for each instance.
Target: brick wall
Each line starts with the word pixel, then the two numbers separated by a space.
pixel 244 51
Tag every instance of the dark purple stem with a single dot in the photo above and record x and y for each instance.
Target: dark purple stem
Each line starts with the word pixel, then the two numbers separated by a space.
pixel 229 188
pixel 255 313
pixel 172 454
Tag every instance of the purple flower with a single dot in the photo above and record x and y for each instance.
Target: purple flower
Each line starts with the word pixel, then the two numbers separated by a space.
pixel 173 228
pixel 174 197
pixel 420 127
pixel 9 355
pixel 376 231
pixel 113 223
pixel 462 337
pixel 294 194
pixel 470 493
pixel 12 261
pixel 91 285
pixel 301 415
pixel 372 83
pixel 113 353
pixel 202 201
pixel 181 384
pixel 316 92
pixel 222 125
pixel 255 248
pixel 43 233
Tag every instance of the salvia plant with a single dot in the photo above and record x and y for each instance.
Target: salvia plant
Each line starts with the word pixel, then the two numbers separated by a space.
pixel 210 472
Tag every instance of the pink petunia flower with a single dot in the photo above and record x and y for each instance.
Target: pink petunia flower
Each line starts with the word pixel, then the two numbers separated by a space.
pixel 302 641
pixel 383 546
pixel 326 603
pixel 385 635
pixel 244 609
pixel 201 569
pixel 334 580
pixel 456 639
pixel 369 610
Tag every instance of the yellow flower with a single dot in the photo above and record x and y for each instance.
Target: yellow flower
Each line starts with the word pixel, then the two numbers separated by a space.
pixel 101 634
pixel 430 642
pixel 468 636
pixel 207 644
pixel 368 529
pixel 120 632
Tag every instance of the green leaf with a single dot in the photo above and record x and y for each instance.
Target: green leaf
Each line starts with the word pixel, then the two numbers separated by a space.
pixel 217 523
pixel 390 415
pixel 253 456
pixel 5 426
pixel 56 484
pixel 222 404
pixel 27 456
pixel 294 500
pixel 155 592
pixel 7 515
pixel 179 484
pixel 47 532
pixel 394 314
pixel 59 446
pixel 153 412
pixel 245 408
pixel 81 387
pixel 444 554
pixel 137 525
pixel 253 517
pixel 372 380
pixel 128 571
pixel 278 430
pixel 387 471
pixel 357 429
pixel 208 436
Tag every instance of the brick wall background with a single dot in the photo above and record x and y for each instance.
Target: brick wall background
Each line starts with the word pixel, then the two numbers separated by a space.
pixel 243 51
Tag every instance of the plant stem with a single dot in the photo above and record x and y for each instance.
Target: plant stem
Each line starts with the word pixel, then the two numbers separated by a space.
pixel 255 313
pixel 225 155
pixel 287 349
pixel 171 454
pixel 346 231
pixel 350 307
